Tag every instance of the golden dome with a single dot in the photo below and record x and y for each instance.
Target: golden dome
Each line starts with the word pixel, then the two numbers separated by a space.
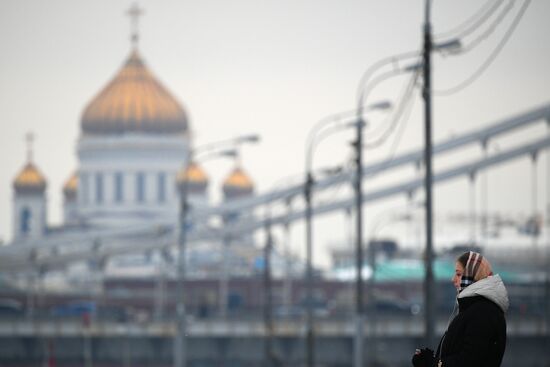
pixel 238 183
pixel 134 101
pixel 29 180
pixel 194 174
pixel 196 178
pixel 238 178
pixel 70 187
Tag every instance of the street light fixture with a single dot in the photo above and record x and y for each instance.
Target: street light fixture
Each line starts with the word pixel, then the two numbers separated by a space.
pixel 252 138
pixel 452 46
pixel 359 322
pixel 313 138
pixel 427 95
pixel 309 241
pixel 225 148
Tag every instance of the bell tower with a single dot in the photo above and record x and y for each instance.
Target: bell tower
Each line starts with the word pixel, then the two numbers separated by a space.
pixel 29 201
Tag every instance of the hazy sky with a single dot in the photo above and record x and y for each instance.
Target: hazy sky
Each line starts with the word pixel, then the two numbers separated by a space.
pixel 270 67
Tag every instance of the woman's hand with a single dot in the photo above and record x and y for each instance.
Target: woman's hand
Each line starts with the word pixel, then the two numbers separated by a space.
pixel 423 358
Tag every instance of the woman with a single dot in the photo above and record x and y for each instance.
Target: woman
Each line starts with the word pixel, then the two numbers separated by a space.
pixel 476 336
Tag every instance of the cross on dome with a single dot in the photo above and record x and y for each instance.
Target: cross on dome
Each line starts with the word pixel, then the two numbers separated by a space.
pixel 29 137
pixel 134 13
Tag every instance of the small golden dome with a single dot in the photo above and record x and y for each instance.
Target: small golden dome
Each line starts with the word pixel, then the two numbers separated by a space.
pixel 196 179
pixel 237 184
pixel 29 180
pixel 238 178
pixel 134 101
pixel 70 187
pixel 194 174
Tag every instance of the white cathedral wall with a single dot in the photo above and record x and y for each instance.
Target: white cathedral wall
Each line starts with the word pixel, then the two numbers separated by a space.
pixel 129 155
pixel 70 212
pixel 37 206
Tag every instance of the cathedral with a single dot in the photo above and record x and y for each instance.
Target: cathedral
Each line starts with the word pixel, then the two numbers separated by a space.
pixel 132 152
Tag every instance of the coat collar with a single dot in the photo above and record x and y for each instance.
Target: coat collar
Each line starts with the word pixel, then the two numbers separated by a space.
pixel 491 288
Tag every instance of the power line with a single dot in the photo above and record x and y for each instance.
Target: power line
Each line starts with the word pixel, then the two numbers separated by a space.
pixel 473 23
pixel 405 108
pixel 489 30
pixel 399 135
pixel 489 60
pixel 396 117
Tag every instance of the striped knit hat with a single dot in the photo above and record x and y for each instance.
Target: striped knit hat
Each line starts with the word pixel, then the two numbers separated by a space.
pixel 476 267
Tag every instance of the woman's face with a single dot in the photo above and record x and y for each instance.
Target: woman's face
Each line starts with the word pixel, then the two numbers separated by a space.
pixel 459 270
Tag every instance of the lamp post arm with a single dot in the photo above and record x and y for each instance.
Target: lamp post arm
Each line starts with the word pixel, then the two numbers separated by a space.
pixel 365 91
pixel 452 44
pixel 395 59
pixel 320 137
pixel 327 121
pixel 226 144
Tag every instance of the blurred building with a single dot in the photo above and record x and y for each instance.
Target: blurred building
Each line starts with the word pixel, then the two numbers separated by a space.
pixel 29 204
pixel 132 152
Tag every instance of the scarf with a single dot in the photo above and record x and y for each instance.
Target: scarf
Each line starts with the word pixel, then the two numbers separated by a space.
pixel 477 267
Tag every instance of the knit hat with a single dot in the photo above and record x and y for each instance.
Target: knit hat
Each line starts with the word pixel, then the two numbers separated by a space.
pixel 476 267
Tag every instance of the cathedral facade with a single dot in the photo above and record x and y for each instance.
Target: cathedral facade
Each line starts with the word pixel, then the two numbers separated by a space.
pixel 132 152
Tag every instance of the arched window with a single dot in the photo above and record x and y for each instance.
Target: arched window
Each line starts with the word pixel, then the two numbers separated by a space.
pixel 99 188
pixel 161 187
pixel 85 187
pixel 25 220
pixel 119 183
pixel 140 187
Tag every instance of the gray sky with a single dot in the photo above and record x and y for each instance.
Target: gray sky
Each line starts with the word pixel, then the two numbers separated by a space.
pixel 270 67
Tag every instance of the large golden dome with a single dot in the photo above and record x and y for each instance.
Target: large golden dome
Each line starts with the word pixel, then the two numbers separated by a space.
pixel 29 180
pixel 134 101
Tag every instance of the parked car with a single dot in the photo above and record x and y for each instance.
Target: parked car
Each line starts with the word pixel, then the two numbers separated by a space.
pixel 10 308
pixel 75 309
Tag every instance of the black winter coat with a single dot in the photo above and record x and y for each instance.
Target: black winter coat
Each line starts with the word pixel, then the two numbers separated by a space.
pixel 476 336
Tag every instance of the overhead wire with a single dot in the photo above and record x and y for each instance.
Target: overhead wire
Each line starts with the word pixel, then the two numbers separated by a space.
pixel 490 59
pixel 473 44
pixel 338 187
pixel 405 95
pixel 399 135
pixel 406 103
pixel 393 60
pixel 471 24
pixel 403 114
pixel 397 140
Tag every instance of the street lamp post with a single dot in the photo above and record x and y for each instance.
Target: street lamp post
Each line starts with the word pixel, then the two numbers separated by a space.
pixel 359 312
pixel 268 304
pixel 309 273
pixel 309 181
pixel 359 304
pixel 224 148
pixel 452 46
pixel 359 322
pixel 180 347
pixel 314 138
pixel 427 95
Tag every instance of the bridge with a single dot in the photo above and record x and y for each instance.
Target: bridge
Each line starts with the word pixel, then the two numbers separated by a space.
pixel 97 246
pixel 236 342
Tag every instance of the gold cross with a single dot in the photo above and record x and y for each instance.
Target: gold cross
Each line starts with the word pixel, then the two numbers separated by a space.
pixel 29 137
pixel 134 13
